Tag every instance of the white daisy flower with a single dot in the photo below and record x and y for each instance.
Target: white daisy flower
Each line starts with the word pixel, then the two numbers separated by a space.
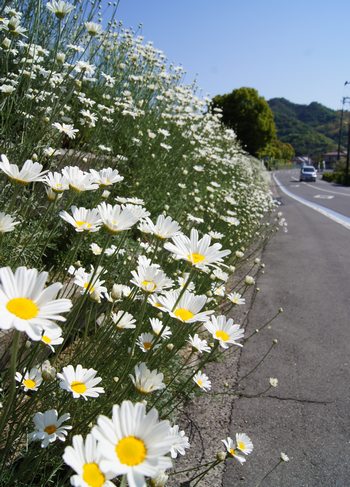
pixel 218 290
pixel 59 8
pixel 66 128
pixel 198 344
pixel 134 442
pixel 7 223
pixel 116 218
pixel 31 379
pixel 85 67
pixel 182 280
pixel 82 219
pixel 187 308
pixel 48 427
pixel 132 201
pixel 165 227
pixel 138 211
pixel 85 460
pixel 31 172
pixel 220 275
pixel 224 330
pixel 106 177
pixel 123 320
pixel 93 28
pixel 79 180
pixel 96 249
pixel 7 89
pixel 180 442
pixel 145 380
pixel 146 342
pixel 202 380
pixel 243 443
pixel 26 305
pixel 157 327
pixel 151 279
pixel 80 382
pixel 90 282
pixel 56 181
pixel 120 291
pixel 197 252
pixel 52 336
pixel 236 298
pixel 216 235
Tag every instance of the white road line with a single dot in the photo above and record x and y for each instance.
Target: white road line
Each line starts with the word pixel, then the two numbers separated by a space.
pixel 316 188
pixel 324 196
pixel 332 215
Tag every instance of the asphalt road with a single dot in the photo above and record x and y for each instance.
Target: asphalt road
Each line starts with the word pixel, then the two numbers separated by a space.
pixel 308 415
pixel 329 195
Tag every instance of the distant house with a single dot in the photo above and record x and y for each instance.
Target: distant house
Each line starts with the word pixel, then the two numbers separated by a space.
pixel 330 158
pixel 303 161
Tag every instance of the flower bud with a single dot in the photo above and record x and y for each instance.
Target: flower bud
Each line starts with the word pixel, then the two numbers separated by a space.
pixel 249 280
pixel 47 371
pixel 284 457
pixel 160 480
pixel 221 456
pixel 60 57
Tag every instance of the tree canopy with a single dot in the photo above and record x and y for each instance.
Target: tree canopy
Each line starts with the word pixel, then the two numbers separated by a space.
pixel 250 116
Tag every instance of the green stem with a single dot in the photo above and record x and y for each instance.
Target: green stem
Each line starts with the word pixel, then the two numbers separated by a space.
pixel 12 380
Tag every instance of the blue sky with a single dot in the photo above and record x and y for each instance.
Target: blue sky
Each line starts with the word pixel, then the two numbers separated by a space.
pixel 295 49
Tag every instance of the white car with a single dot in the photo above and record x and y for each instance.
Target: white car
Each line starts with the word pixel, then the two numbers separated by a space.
pixel 308 173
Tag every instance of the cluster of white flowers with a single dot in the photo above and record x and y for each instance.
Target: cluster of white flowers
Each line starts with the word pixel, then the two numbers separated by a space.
pixel 144 259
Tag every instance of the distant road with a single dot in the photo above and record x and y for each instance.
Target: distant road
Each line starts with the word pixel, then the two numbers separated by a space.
pixel 308 415
pixel 329 195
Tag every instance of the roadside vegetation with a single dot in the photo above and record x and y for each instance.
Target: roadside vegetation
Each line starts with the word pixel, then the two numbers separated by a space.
pixel 125 208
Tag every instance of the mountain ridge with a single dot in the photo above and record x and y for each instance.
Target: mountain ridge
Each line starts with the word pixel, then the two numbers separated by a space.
pixel 311 129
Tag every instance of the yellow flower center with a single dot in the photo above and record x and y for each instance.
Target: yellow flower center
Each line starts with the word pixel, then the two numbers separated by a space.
pixel 232 451
pixel 78 387
pixel 29 383
pixel 92 475
pixel 147 345
pixel 23 308
pixel 195 258
pixel 90 288
pixel 200 382
pixel 222 335
pixel 241 446
pixel 183 314
pixel 149 286
pixel 46 339
pixel 50 429
pixel 131 451
pixel 81 223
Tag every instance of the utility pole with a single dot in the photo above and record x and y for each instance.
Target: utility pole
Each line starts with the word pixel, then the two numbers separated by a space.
pixel 344 100
pixel 347 181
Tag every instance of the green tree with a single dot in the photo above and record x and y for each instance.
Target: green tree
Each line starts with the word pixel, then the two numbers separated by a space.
pixel 249 115
pixel 277 149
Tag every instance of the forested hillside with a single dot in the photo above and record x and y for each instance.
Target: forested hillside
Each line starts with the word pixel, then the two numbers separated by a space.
pixel 311 129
